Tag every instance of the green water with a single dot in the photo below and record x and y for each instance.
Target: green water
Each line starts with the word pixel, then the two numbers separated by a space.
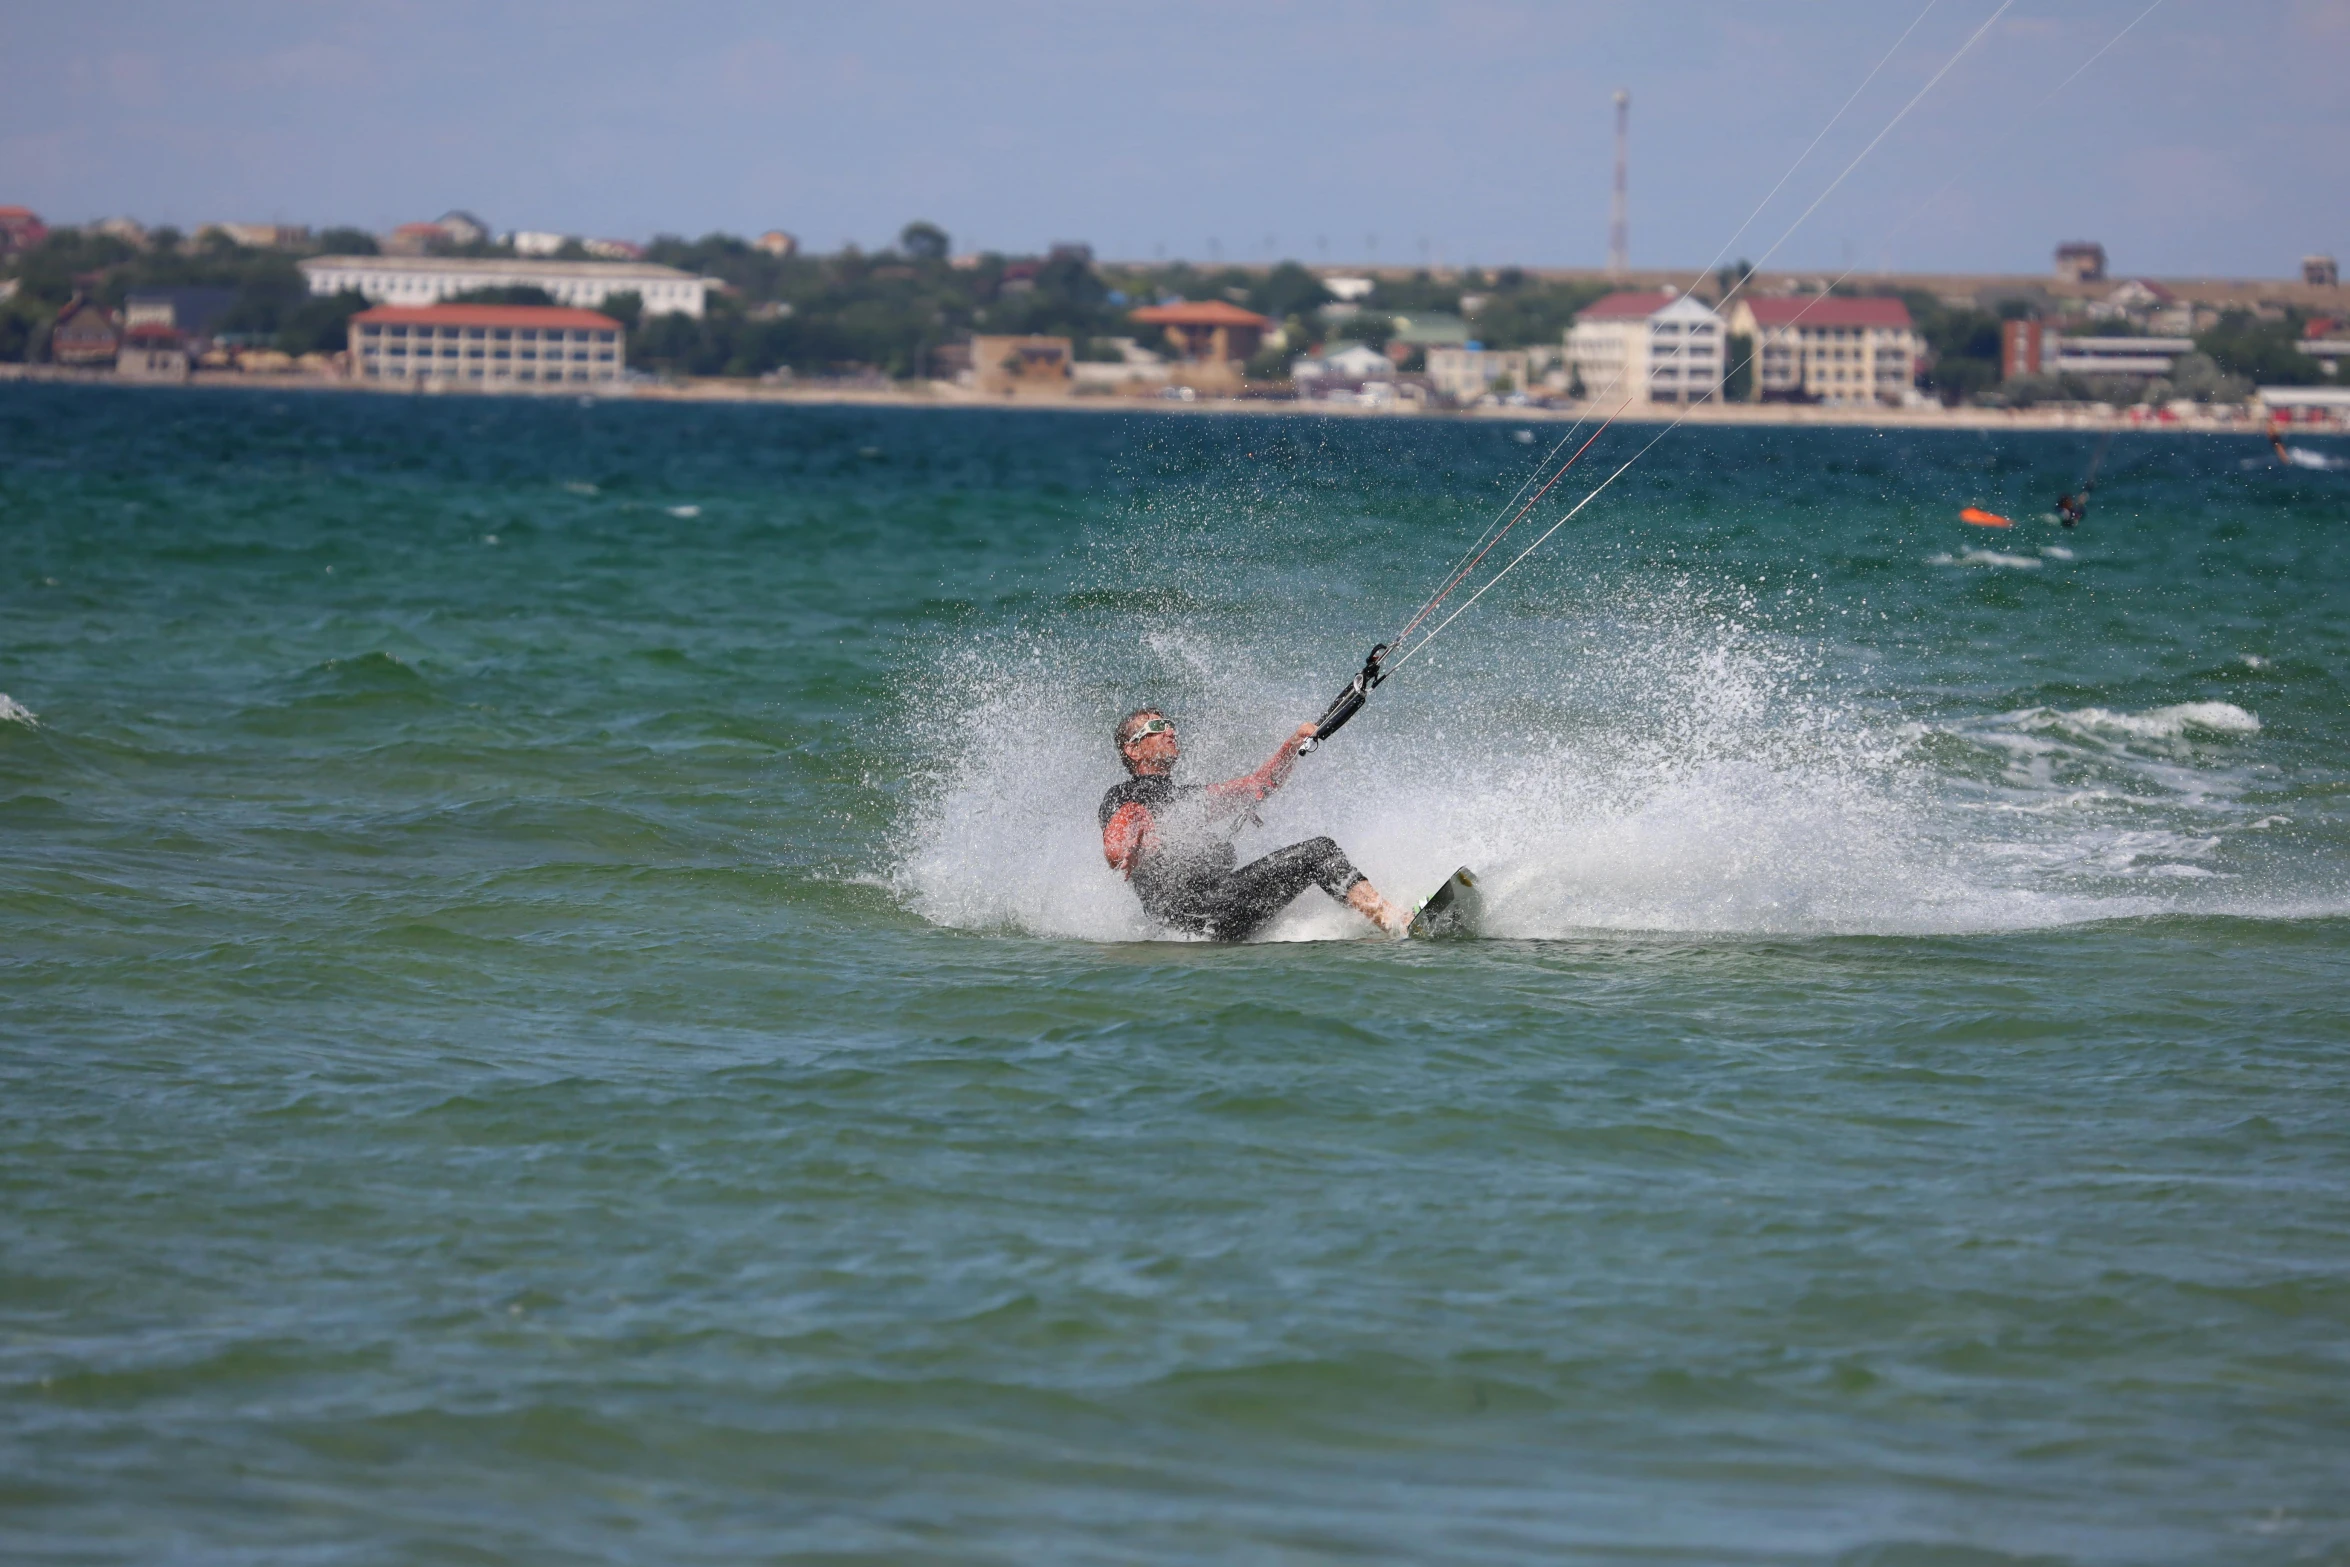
pixel 559 1001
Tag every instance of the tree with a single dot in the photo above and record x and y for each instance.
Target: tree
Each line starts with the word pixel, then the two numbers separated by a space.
pixel 2266 353
pixel 676 343
pixel 1738 369
pixel 1369 329
pixel 341 242
pixel 269 287
pixel 1532 313
pixel 23 323
pixel 1288 290
pixel 626 307
pixel 920 241
pixel 320 324
pixel 1421 291
pixel 1962 345
pixel 2204 378
pixel 1268 364
pixel 1961 377
pixel 269 291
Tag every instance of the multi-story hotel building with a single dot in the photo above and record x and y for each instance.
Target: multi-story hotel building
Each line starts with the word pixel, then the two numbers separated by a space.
pixel 1655 348
pixel 1830 349
pixel 2037 348
pixel 427 280
pixel 485 347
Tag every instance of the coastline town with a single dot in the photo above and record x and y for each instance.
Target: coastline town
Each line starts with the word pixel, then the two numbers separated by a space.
pixel 452 306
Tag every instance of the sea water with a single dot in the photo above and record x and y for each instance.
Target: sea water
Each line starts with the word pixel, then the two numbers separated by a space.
pixel 559 1001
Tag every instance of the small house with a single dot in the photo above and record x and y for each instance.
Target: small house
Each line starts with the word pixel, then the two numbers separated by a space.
pixel 85 335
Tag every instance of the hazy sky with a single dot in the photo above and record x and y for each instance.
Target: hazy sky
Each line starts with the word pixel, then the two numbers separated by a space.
pixel 2211 139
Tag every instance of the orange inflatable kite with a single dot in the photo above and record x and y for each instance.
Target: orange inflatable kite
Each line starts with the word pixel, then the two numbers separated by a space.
pixel 1984 519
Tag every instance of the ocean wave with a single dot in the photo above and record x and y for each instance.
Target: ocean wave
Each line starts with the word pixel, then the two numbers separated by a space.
pixel 15 712
pixel 1997 558
pixel 2174 722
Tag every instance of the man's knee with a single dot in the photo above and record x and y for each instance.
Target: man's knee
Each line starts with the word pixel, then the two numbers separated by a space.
pixel 1332 869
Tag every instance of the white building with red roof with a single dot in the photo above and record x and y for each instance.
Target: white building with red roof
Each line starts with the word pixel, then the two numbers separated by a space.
pixel 486 347
pixel 1651 348
pixel 1828 348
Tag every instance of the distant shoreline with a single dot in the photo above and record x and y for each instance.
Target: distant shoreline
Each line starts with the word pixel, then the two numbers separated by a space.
pixel 946 397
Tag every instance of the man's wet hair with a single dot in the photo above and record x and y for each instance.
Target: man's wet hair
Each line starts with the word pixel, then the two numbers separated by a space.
pixel 1119 735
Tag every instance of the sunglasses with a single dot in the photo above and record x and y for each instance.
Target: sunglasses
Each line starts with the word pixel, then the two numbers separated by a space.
pixel 1151 726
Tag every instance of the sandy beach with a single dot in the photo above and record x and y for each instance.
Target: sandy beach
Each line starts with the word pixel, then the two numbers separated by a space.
pixel 943 394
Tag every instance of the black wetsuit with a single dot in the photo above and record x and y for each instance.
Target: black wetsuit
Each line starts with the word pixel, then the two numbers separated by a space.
pixel 1183 866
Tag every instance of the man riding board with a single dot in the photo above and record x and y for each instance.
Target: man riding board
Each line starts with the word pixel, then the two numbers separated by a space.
pixel 1174 842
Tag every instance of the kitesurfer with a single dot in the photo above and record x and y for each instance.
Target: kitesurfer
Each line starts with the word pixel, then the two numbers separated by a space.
pixel 2070 509
pixel 1174 841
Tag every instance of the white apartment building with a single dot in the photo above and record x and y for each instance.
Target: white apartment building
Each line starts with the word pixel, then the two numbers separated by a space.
pixel 1655 348
pixel 485 348
pixel 427 280
pixel 1830 349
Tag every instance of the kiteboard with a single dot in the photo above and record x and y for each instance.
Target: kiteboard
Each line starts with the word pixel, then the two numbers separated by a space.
pixel 1452 910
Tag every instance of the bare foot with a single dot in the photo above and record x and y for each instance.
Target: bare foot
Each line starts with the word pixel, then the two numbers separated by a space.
pixel 1393 918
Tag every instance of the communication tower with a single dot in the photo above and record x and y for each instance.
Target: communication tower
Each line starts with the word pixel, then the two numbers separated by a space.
pixel 1618 223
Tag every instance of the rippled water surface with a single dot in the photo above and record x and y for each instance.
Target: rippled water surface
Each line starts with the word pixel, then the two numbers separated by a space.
pixel 559 1001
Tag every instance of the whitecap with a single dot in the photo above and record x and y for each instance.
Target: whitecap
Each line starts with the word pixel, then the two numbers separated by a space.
pixel 2056 552
pixel 2164 723
pixel 1985 558
pixel 683 511
pixel 15 712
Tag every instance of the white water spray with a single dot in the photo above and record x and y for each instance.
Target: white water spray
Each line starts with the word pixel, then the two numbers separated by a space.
pixel 1634 764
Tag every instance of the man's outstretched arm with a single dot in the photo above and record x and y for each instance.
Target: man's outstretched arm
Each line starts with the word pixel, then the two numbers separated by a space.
pixel 1125 834
pixel 1271 776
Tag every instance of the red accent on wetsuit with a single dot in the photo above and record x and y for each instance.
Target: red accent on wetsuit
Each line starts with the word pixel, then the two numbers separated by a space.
pixel 1127 835
pixel 1131 834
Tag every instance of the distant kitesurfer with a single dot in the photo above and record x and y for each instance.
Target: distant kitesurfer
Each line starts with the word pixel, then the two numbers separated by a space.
pixel 2070 509
pixel 1174 842
pixel 2276 438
